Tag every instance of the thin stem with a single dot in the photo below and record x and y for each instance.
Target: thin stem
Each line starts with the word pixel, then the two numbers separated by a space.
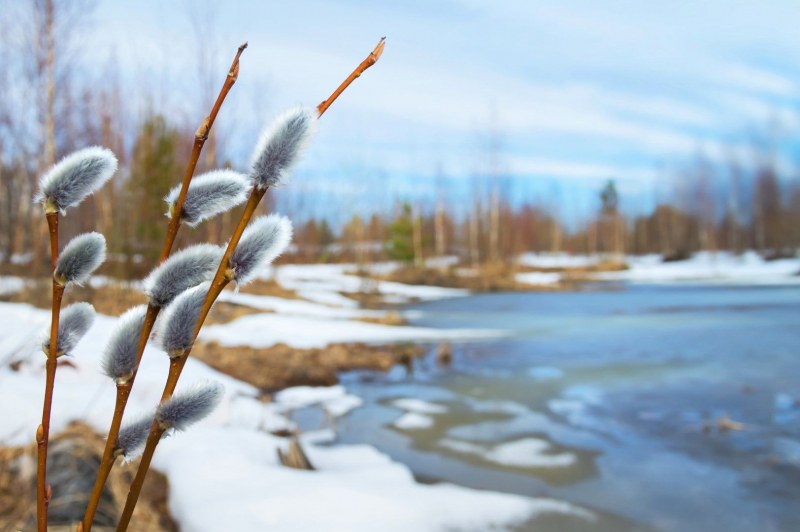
pixel 124 389
pixel 109 456
pixel 136 486
pixel 43 491
pixel 371 59
pixel 200 137
pixel 220 280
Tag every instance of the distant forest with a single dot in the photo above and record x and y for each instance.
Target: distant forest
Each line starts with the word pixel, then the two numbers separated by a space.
pixel 51 105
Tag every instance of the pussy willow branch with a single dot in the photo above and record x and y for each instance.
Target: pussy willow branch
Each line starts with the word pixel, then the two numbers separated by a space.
pixel 371 59
pixel 43 491
pixel 124 388
pixel 220 281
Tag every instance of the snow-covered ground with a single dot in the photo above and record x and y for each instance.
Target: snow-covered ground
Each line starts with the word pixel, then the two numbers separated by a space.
pixel 224 473
pixel 720 267
pixel 316 282
pixel 703 267
pixel 263 330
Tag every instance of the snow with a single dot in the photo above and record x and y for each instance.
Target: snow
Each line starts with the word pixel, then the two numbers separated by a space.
pixel 418 413
pixel 557 260
pixel 354 488
pixel 296 307
pixel 223 473
pixel 716 267
pixel 334 399
pixel 317 282
pixel 538 278
pixel 528 452
pixel 419 406
pixel 263 330
pixel 720 267
pixel 341 406
pixel 525 452
pixel 413 421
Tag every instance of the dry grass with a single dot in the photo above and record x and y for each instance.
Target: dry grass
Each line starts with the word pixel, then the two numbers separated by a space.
pixel 18 490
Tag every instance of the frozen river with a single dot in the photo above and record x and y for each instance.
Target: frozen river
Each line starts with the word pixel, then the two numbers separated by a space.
pixel 627 402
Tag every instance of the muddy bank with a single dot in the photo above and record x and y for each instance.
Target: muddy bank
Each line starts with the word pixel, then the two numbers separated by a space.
pixel 280 366
pixel 497 277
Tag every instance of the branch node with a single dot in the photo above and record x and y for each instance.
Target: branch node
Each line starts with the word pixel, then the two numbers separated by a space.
pixel 202 131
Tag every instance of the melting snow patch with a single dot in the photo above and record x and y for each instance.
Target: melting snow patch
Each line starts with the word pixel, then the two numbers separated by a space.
pixel 538 278
pixel 413 421
pixel 527 452
pixel 334 399
pixel 264 330
pixel 419 406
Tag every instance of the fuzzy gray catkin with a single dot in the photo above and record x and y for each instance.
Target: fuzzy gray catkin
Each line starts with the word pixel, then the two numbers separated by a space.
pixel 185 269
pixel 74 321
pixel 261 243
pixel 74 177
pixel 175 330
pixel 132 437
pixel 79 258
pixel 189 407
pixel 208 195
pixel 119 357
pixel 281 146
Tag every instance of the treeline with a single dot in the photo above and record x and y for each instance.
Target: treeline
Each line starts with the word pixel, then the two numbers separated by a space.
pixel 767 220
pixel 50 105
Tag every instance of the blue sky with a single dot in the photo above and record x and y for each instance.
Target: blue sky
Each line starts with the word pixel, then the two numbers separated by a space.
pixel 572 92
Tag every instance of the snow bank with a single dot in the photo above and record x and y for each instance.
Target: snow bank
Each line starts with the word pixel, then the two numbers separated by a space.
pixel 322 283
pixel 296 307
pixel 538 278
pixel 721 267
pixel 263 330
pixel 557 260
pixel 354 488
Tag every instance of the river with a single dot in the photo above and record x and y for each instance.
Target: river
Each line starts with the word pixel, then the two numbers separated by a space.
pixel 655 407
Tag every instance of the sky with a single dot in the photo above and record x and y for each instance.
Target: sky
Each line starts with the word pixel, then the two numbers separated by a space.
pixel 556 97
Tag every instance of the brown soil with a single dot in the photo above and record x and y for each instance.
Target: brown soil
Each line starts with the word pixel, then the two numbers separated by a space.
pixel 280 366
pixel 498 277
pixel 223 312
pixel 270 288
pixel 114 299
pixel 18 487
pixel 392 317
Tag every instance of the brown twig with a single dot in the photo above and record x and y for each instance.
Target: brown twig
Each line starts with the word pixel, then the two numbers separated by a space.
pixel 200 137
pixel 371 59
pixel 43 491
pixel 124 388
pixel 221 279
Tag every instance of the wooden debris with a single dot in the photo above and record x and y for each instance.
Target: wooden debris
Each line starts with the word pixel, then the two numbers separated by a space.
pixel 294 456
